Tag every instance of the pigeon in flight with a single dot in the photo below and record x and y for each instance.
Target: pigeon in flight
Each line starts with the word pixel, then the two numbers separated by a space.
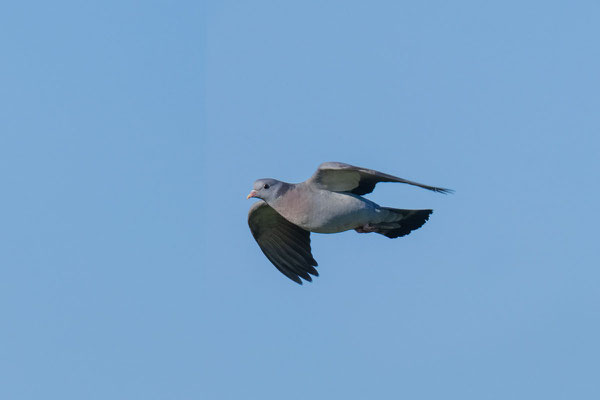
pixel 330 201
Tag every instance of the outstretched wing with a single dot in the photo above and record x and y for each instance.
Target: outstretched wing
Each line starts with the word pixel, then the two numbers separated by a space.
pixel 340 177
pixel 286 245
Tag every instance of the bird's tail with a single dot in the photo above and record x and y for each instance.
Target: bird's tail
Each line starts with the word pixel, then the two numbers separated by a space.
pixel 402 222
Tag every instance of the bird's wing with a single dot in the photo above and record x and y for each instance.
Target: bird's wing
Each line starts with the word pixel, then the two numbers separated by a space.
pixel 340 177
pixel 286 245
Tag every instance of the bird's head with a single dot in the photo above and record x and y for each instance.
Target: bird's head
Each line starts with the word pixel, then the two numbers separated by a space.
pixel 266 189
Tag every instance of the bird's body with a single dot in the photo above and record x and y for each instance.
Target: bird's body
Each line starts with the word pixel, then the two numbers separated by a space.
pixel 323 211
pixel 330 201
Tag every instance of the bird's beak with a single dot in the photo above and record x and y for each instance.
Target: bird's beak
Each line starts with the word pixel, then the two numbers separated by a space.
pixel 251 194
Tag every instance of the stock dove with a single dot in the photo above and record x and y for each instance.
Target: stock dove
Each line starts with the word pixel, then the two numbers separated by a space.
pixel 330 201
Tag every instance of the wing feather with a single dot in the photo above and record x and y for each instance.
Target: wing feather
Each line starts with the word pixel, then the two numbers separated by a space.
pixel 340 177
pixel 286 245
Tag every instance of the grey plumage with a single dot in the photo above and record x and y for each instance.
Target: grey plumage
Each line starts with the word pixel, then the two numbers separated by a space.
pixel 329 201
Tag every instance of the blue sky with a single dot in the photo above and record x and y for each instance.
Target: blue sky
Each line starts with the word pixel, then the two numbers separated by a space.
pixel 132 132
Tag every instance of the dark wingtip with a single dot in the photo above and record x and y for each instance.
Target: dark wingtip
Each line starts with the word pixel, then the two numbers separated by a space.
pixel 308 278
pixel 444 191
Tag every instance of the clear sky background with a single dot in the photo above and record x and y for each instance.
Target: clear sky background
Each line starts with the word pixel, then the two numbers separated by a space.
pixel 131 132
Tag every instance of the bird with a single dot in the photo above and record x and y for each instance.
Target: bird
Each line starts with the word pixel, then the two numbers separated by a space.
pixel 330 201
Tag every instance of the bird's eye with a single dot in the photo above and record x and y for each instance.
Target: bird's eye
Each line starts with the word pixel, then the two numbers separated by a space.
pixel 266 186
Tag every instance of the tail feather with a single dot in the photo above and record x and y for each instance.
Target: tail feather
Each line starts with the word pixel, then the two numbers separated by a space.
pixel 408 221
